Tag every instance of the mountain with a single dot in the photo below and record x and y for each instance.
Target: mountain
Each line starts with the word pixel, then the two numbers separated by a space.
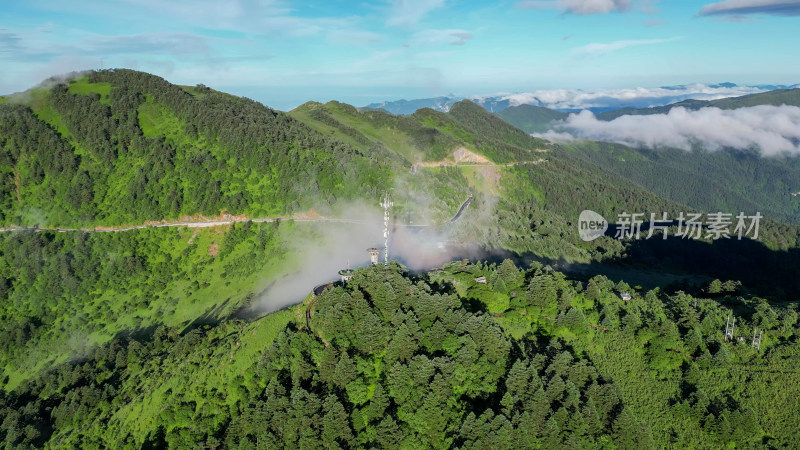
pixel 148 228
pixel 574 100
pixel 406 107
pixel 443 104
pixel 723 180
pixel 529 118
pixel 119 147
pixel 775 97
pixel 535 119
pixel 726 180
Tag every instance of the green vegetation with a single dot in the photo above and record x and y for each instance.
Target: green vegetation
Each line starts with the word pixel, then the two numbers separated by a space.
pixel 725 181
pixel 529 118
pixel 426 135
pixel 139 388
pixel 82 86
pixel 528 359
pixel 67 292
pixel 119 147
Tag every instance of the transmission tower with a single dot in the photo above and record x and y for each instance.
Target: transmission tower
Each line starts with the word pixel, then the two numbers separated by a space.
pixel 757 338
pixel 386 204
pixel 729 325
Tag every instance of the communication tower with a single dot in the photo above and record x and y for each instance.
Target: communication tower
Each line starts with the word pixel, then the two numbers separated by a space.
pixel 386 204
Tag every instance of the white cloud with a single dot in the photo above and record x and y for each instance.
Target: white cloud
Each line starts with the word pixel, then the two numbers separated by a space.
pixel 580 7
pixel 740 7
pixel 262 17
pixel 572 99
pixel 774 130
pixel 407 13
pixel 598 48
pixel 440 37
pixel 552 135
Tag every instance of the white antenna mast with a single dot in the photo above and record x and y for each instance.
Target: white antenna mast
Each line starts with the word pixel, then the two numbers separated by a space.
pixel 386 204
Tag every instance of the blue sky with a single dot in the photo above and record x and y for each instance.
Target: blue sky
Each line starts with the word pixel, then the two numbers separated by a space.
pixel 283 53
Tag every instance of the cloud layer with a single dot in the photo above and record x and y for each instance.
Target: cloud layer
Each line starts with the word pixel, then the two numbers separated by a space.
pixel 599 48
pixel 407 13
pixel 580 7
pixel 740 7
pixel 576 99
pixel 773 130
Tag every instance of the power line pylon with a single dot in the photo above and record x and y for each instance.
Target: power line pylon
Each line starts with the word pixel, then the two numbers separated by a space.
pixel 757 338
pixel 729 327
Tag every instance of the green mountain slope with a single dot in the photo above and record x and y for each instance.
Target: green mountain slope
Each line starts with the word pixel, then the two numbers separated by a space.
pixel 531 119
pixel 709 181
pixel 426 135
pixel 535 207
pixel 526 360
pixel 777 97
pixel 119 147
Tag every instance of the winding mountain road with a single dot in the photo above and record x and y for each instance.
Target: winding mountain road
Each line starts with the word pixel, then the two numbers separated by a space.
pixel 215 223
pixel 192 224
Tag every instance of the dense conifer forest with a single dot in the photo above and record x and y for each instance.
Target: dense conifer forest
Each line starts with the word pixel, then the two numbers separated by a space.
pixel 528 359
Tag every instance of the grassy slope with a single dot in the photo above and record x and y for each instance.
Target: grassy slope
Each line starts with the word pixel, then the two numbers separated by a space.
pixel 419 137
pixel 443 190
pixel 208 288
pixel 385 129
pixel 82 86
pixel 220 365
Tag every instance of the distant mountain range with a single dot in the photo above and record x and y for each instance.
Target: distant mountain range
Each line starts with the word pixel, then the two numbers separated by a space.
pixel 781 96
pixel 537 119
pixel 597 101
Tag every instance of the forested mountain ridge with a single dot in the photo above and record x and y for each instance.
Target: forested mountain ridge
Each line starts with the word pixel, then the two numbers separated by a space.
pixel 712 181
pixel 527 360
pixel 726 179
pixel 426 135
pixel 530 118
pixel 116 147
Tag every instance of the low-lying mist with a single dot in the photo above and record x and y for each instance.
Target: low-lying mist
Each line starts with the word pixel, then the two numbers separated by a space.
pixel 773 130
pixel 320 249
